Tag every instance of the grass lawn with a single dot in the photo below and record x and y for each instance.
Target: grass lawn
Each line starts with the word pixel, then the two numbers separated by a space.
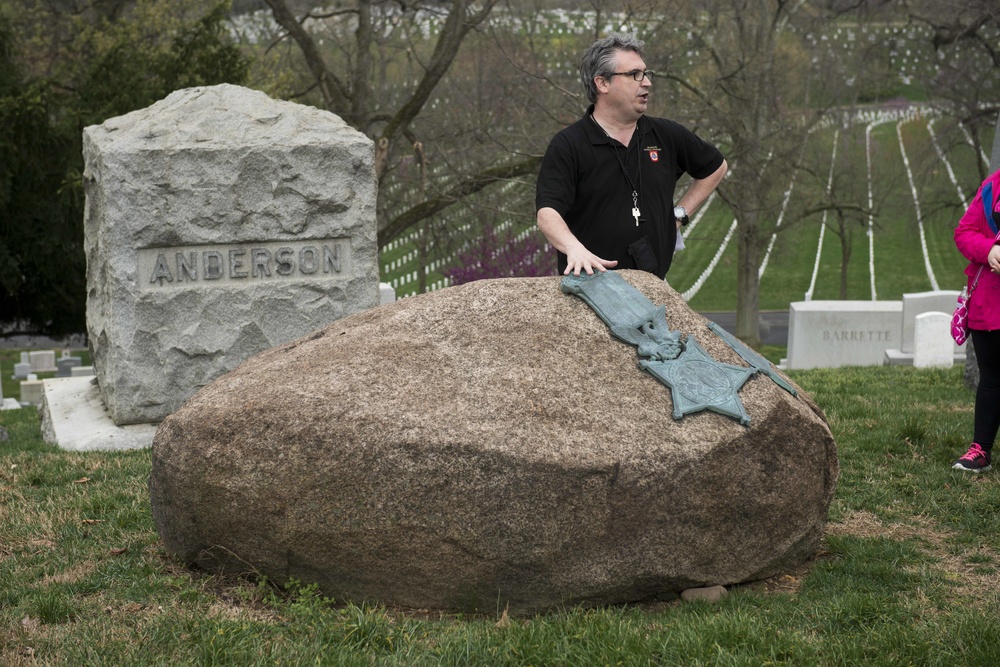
pixel 907 574
pixel 896 247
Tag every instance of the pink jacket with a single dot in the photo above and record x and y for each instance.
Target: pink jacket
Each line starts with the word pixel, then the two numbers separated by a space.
pixel 974 239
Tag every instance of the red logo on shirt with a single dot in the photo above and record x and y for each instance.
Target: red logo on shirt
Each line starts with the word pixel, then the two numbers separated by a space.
pixel 654 156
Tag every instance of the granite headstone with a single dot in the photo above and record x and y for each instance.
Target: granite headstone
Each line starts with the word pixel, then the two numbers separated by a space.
pixel 219 223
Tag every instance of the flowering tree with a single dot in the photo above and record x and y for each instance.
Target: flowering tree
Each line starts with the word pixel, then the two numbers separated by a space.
pixel 501 255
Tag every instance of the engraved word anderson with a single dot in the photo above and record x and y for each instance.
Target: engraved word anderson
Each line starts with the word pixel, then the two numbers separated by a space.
pixel 186 266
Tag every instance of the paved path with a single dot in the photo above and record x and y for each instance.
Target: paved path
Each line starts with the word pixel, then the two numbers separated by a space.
pixel 773 325
pixel 40 342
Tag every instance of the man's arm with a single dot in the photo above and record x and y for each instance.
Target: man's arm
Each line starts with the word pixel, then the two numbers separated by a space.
pixel 701 188
pixel 562 239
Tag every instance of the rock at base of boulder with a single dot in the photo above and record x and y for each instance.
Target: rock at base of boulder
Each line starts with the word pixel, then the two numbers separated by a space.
pixel 708 594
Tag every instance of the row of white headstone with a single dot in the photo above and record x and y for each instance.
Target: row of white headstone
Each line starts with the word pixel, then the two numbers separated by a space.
pixel 42 361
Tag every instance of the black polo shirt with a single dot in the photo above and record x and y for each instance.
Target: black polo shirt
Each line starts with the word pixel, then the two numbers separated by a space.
pixel 588 178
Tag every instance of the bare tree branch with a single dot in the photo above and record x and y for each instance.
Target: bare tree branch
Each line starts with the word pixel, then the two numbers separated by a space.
pixel 456 26
pixel 335 93
pixel 471 185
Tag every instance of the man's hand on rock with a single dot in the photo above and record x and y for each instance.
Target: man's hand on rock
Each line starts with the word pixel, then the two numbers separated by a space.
pixel 584 260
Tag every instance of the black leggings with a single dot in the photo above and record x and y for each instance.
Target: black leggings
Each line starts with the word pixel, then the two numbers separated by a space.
pixel 987 421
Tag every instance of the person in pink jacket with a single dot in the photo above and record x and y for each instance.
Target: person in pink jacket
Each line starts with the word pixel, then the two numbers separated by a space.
pixel 976 238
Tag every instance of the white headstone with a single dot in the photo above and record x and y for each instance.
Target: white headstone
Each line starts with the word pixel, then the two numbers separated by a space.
pixel 933 346
pixel 219 223
pixel 31 391
pixel 914 304
pixel 386 294
pixel 66 363
pixel 81 371
pixel 42 361
pixel 830 334
pixel 22 369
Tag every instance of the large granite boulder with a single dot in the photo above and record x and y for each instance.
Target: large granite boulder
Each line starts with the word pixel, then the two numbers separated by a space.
pixel 483 446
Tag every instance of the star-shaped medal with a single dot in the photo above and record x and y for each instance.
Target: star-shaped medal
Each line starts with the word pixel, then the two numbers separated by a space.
pixel 698 382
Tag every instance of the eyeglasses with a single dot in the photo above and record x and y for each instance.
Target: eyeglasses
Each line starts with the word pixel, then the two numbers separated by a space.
pixel 637 74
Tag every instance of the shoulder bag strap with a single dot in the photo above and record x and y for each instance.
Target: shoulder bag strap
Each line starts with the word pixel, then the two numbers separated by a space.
pixel 988 205
pixel 987 193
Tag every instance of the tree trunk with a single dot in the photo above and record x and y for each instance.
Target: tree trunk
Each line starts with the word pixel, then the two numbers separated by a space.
pixel 971 366
pixel 748 282
pixel 845 259
pixel 421 243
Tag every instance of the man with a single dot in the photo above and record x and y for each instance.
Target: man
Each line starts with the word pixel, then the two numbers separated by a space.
pixel 606 185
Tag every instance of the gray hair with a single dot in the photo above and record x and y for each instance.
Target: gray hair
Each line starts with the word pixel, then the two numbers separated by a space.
pixel 599 59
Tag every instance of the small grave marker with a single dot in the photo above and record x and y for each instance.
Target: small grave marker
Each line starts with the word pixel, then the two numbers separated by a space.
pixel 22 369
pixel 31 390
pixel 65 364
pixel 933 346
pixel 43 361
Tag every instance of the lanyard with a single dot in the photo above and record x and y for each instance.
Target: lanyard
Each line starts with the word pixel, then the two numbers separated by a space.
pixel 636 185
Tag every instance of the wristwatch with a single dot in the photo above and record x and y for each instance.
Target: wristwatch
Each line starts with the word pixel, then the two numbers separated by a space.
pixel 681 215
